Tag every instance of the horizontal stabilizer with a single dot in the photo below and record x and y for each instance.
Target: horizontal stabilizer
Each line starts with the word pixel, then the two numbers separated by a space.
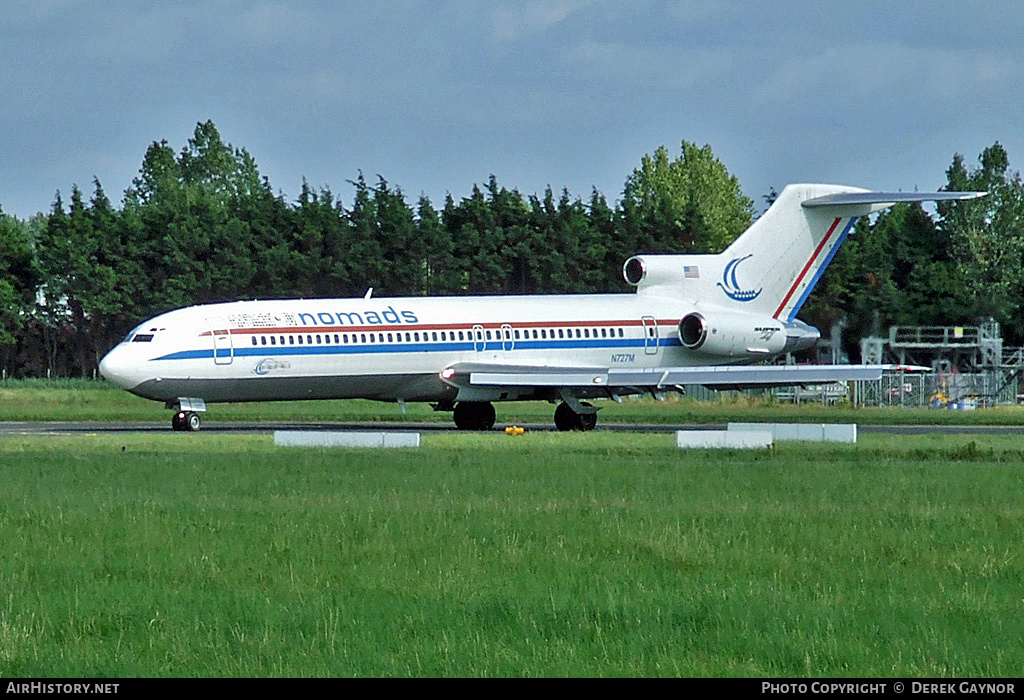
pixel 861 198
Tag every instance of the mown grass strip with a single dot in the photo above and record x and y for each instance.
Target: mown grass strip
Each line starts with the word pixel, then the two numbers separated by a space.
pixel 87 400
pixel 488 555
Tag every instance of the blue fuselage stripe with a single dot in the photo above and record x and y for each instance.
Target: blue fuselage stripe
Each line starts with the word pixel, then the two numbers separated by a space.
pixel 356 349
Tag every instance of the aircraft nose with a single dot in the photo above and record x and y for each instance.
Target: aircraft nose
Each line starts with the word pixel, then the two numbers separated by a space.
pixel 115 368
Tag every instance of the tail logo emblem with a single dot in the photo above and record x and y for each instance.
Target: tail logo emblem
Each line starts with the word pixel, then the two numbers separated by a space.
pixel 731 287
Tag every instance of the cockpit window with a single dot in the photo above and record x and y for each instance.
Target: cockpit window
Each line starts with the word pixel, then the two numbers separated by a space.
pixel 131 333
pixel 134 335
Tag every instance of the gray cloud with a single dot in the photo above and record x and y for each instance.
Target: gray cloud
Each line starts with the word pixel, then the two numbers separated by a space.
pixel 437 95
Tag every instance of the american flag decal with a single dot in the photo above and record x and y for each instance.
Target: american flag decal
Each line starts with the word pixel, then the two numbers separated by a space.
pixel 691 272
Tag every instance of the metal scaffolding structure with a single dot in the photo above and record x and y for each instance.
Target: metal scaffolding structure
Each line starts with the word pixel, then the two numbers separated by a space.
pixel 958 367
pixel 970 367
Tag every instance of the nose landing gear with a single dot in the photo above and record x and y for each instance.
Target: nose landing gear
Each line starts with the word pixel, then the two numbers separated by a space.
pixel 186 421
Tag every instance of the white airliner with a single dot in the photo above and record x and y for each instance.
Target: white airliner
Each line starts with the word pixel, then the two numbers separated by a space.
pixel 694 319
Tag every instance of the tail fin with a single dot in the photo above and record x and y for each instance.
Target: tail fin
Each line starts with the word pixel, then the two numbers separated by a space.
pixel 773 266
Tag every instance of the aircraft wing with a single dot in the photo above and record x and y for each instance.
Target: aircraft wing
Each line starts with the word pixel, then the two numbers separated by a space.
pixel 722 376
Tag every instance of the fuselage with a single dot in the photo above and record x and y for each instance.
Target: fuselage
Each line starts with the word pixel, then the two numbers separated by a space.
pixel 390 349
pixel 734 307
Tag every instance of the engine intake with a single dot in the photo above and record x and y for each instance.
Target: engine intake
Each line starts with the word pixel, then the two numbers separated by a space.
pixel 634 270
pixel 693 331
pixel 725 334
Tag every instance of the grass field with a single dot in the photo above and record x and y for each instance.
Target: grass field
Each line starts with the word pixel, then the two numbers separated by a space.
pixel 85 400
pixel 598 554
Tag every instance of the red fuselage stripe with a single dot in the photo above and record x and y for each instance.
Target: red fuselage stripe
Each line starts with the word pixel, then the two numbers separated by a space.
pixel 436 327
pixel 807 267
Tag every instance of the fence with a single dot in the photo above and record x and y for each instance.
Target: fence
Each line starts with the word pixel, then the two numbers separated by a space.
pixel 938 390
pixel 904 389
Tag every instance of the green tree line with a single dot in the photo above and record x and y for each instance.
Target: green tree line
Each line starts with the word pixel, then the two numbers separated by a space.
pixel 204 225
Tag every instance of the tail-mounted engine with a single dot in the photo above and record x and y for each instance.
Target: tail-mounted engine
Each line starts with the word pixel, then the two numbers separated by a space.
pixel 724 334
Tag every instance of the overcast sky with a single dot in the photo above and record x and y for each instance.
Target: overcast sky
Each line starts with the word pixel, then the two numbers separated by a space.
pixel 435 96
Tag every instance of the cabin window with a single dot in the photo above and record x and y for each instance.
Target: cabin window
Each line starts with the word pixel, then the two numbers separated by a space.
pixel 561 333
pixel 291 340
pixel 433 335
pixel 300 340
pixel 362 337
pixel 516 334
pixel 318 340
pixel 254 340
pixel 620 332
pixel 380 337
pixel 604 332
pixel 488 335
pixel 586 332
pixel 390 337
pixel 416 337
pixel 263 340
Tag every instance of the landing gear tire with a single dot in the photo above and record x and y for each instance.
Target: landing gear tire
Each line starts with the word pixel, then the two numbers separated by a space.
pixel 567 419
pixel 588 421
pixel 474 415
pixel 186 421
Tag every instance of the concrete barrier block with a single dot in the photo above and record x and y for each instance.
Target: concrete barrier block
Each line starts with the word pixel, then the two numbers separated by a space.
pixel 845 432
pixel 401 439
pixel 324 438
pixel 809 432
pixel 747 439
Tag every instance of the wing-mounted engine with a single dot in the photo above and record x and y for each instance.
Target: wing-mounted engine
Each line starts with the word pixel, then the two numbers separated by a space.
pixel 725 334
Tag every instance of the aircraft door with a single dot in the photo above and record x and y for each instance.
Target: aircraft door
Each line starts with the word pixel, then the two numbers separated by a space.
pixel 507 342
pixel 650 328
pixel 479 343
pixel 223 349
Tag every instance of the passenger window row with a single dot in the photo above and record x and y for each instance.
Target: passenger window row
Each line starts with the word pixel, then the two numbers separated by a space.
pixel 433 336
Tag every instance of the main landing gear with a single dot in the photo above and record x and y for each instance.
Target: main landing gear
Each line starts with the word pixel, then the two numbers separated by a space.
pixel 474 415
pixel 479 415
pixel 186 421
pixel 568 419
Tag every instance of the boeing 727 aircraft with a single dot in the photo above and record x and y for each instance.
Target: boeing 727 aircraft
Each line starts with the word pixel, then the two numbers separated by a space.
pixel 694 319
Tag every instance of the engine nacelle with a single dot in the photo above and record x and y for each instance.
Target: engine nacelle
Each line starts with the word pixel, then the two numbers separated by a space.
pixel 653 270
pixel 725 334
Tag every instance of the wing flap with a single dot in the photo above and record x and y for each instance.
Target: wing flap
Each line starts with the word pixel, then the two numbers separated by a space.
pixel 718 375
